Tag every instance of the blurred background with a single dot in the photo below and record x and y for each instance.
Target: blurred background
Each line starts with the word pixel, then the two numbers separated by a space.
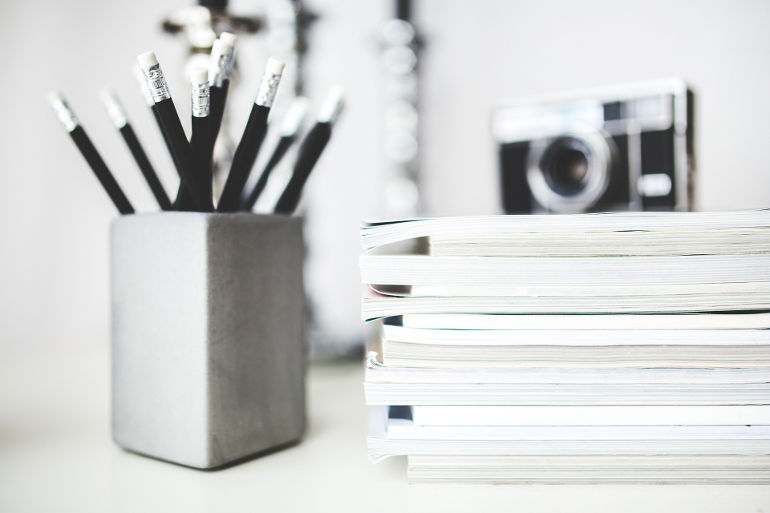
pixel 415 138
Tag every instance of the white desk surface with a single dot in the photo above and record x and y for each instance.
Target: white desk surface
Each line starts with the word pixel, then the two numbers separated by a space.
pixel 56 455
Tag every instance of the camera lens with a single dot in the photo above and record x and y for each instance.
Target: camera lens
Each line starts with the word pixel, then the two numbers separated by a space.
pixel 565 166
pixel 569 173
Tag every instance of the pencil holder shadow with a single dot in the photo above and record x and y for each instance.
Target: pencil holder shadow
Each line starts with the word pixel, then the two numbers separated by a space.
pixel 208 342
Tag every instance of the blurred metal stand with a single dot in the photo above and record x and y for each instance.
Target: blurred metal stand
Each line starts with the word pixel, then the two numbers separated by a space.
pixel 288 23
pixel 400 47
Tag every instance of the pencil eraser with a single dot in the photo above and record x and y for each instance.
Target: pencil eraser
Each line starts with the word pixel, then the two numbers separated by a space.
pixel 199 76
pixel 218 62
pixel 218 49
pixel 114 109
pixel 63 111
pixel 147 60
pixel 108 96
pixel 228 38
pixel 295 116
pixel 274 67
pixel 55 98
pixel 332 106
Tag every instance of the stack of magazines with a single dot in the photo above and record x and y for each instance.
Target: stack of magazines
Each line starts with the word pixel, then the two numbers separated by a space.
pixel 613 348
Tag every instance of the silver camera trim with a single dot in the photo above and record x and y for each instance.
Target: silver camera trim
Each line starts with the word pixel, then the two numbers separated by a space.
pixel 598 166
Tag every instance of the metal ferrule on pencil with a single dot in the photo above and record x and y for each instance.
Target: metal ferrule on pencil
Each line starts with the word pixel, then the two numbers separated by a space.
pixel 63 112
pixel 268 88
pixel 200 100
pixel 156 83
pixel 227 64
pixel 142 81
pixel 228 45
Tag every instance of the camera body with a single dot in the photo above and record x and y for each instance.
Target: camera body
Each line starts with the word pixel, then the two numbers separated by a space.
pixel 610 149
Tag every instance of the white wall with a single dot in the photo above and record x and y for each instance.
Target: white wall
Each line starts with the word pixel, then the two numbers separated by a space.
pixel 55 219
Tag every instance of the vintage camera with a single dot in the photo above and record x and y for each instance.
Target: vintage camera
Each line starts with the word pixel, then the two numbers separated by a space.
pixel 615 148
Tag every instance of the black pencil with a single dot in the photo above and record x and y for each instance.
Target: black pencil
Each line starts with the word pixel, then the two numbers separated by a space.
pixel 219 64
pixel 86 147
pixel 220 70
pixel 290 127
pixel 309 152
pixel 253 135
pixel 147 95
pixel 117 114
pixel 200 140
pixel 156 114
pixel 172 127
pixel 151 104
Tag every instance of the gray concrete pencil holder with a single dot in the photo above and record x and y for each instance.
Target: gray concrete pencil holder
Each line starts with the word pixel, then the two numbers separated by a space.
pixel 208 335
